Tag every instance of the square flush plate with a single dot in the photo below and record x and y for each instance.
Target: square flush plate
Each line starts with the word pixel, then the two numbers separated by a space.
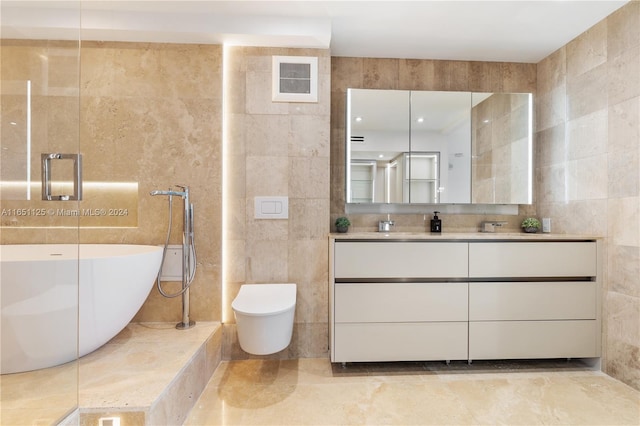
pixel 271 207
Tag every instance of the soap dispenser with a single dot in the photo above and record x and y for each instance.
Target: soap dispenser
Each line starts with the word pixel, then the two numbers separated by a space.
pixel 436 224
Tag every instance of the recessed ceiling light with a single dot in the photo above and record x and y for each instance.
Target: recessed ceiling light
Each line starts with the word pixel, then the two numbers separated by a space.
pixel 358 119
pixel 420 119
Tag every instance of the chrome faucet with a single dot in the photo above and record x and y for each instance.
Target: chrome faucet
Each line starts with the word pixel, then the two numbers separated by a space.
pixel 385 225
pixel 184 193
pixel 491 226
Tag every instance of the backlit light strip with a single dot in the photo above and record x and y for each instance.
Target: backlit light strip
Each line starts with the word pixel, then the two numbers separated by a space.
pixel 225 179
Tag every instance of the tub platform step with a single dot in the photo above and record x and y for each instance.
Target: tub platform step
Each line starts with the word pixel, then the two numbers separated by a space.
pixel 149 374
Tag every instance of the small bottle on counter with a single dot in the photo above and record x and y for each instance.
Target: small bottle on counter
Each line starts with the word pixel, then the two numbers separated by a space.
pixel 436 223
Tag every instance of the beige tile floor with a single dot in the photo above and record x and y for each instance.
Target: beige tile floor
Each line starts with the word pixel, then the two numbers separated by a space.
pixel 41 397
pixel 315 392
pixel 131 370
pixel 137 365
pixel 123 378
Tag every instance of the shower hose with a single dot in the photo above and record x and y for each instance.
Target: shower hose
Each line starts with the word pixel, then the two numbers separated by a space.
pixel 189 236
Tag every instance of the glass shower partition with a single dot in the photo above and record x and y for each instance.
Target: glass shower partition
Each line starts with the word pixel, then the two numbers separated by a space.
pixel 39 129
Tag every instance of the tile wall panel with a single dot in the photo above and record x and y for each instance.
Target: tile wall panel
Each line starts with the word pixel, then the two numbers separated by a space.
pixel 279 149
pixel 588 170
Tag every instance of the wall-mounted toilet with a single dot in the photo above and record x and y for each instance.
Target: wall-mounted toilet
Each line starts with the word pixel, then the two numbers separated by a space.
pixel 264 317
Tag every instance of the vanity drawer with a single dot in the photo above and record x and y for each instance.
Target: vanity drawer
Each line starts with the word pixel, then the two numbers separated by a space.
pixel 400 302
pixel 532 300
pixel 400 342
pixel 532 259
pixel 400 259
pixel 533 339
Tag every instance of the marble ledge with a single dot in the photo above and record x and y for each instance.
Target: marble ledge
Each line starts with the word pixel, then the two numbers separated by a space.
pixel 447 236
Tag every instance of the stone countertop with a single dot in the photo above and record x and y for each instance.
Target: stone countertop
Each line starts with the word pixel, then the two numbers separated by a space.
pixel 519 236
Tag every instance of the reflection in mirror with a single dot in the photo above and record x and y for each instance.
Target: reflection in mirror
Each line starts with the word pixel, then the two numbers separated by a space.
pixel 363 181
pixel 502 126
pixel 441 123
pixel 429 147
pixel 418 141
pixel 377 133
pixel 421 175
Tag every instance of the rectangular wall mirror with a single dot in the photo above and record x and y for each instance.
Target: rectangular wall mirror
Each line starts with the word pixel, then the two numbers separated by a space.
pixel 434 147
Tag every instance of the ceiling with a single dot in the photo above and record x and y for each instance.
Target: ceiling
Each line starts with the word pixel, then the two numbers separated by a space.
pixel 510 31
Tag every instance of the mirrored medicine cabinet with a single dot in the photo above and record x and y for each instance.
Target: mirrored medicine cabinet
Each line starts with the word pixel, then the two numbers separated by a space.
pixel 433 147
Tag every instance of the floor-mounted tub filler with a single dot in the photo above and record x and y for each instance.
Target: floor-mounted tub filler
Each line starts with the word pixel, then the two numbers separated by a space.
pixel 54 295
pixel 189 262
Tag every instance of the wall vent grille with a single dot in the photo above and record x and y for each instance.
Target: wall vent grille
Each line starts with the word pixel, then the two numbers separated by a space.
pixel 295 79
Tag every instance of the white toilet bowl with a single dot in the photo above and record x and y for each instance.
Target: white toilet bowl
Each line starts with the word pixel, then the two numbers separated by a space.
pixel 264 317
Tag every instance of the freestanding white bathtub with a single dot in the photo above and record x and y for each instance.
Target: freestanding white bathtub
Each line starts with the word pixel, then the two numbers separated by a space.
pixel 43 285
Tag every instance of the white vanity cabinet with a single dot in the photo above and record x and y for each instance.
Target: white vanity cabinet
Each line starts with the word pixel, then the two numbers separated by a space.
pixel 533 300
pixel 400 259
pixel 390 304
pixel 463 299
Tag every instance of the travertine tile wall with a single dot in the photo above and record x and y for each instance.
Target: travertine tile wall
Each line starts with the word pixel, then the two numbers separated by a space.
pixel 148 113
pixel 278 149
pixel 499 149
pixel 51 69
pixel 152 113
pixel 588 170
pixel 414 74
